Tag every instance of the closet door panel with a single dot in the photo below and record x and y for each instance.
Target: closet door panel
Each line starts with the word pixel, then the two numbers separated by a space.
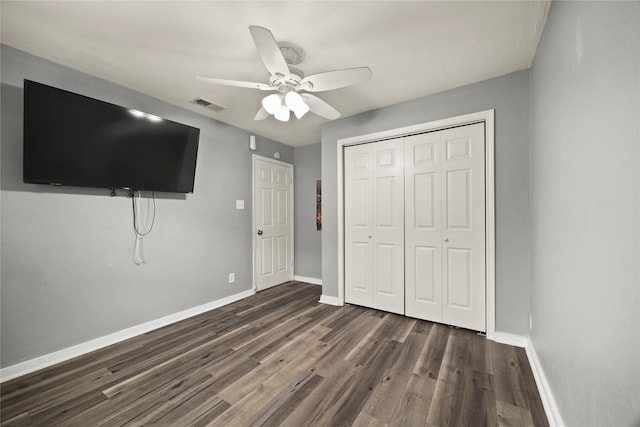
pixel 358 226
pixel 388 230
pixel 423 230
pixel 374 226
pixel 464 227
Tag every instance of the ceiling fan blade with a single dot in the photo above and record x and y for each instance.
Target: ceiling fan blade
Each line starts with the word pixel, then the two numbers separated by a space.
pixel 269 50
pixel 262 114
pixel 319 107
pixel 237 83
pixel 336 79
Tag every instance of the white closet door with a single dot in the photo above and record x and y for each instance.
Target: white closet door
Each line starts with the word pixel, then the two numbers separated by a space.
pixel 423 226
pixel 445 226
pixel 358 225
pixel 374 225
pixel 463 215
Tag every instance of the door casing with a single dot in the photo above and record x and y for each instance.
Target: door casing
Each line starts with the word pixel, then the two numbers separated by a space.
pixel 487 117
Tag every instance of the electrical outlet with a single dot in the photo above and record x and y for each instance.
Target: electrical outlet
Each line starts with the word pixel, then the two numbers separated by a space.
pixel 232 277
pixel 530 322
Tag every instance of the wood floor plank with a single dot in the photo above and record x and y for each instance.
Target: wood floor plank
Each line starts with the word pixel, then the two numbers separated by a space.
pixel 205 413
pixel 238 390
pixel 536 409
pixel 365 420
pixel 403 330
pixel 508 378
pixel 377 336
pixel 446 406
pixel 413 407
pixel 431 358
pixel 344 343
pixel 373 366
pixel 59 413
pixel 258 400
pixel 170 401
pixel 286 401
pixel 388 392
pixel 141 398
pixel 279 358
pixel 478 400
pixel 167 371
pixel 323 399
pixel 62 373
pixel 512 416
pixel 38 402
pixel 21 420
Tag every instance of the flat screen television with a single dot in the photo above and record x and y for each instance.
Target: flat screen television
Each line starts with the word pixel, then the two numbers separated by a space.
pixel 74 140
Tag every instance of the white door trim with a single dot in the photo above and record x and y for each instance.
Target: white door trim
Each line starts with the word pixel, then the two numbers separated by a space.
pixel 487 117
pixel 254 230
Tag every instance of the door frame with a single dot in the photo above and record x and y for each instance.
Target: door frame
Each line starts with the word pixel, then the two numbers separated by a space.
pixel 487 117
pixel 254 230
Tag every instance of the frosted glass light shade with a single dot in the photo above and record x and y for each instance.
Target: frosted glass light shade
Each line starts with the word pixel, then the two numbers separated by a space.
pixel 272 103
pixel 282 113
pixel 295 103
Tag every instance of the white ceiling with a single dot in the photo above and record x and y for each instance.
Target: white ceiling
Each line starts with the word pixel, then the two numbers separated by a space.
pixel 414 48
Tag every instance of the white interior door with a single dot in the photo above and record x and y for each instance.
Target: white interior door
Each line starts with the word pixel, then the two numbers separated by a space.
pixel 374 225
pixel 445 226
pixel 273 222
pixel 423 226
pixel 463 214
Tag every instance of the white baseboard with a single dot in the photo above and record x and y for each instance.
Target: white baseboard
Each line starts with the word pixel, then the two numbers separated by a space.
pixel 548 401
pixel 326 299
pixel 511 339
pixel 23 368
pixel 312 280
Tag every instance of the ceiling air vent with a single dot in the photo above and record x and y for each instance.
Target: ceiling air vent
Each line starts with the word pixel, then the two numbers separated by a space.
pixel 207 104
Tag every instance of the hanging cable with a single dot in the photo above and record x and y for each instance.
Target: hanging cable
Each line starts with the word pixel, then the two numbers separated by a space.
pixel 138 259
pixel 136 228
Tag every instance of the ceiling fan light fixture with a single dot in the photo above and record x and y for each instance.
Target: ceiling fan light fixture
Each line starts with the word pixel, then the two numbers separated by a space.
pixel 282 113
pixel 301 111
pixel 295 103
pixel 287 80
pixel 272 103
pixel 292 99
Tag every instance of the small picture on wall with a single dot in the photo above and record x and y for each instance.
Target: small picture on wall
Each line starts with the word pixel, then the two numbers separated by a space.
pixel 319 205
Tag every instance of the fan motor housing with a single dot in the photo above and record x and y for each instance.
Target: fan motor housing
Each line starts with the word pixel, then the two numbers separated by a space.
pixel 295 77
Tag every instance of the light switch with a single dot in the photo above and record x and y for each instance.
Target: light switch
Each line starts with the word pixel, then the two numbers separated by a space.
pixel 239 204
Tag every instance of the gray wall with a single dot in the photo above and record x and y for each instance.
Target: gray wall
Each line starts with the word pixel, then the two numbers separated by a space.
pixel 509 96
pixel 585 195
pixel 308 240
pixel 67 270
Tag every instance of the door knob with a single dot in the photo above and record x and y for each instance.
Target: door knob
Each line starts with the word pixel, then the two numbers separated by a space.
pixel 369 235
pixel 446 240
pixel 259 232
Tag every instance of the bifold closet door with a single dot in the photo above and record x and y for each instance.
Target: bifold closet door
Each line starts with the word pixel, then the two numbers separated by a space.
pixel 423 226
pixel 374 225
pixel 445 226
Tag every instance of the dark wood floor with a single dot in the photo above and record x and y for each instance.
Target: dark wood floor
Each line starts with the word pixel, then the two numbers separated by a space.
pixel 280 358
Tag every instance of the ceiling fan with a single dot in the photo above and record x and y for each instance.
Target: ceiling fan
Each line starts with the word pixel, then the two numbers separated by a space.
pixel 289 82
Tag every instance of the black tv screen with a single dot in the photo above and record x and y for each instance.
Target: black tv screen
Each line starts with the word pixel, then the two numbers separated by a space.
pixel 70 139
